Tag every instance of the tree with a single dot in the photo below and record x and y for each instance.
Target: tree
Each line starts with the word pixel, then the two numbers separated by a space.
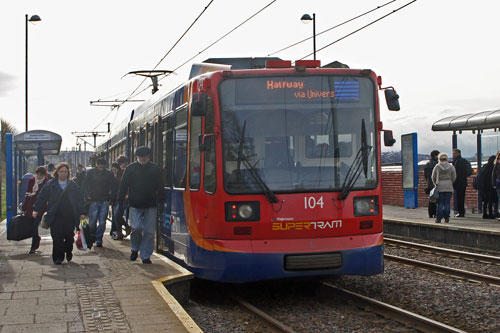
pixel 6 128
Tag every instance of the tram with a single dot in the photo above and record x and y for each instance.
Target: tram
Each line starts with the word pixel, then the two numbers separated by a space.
pixel 270 172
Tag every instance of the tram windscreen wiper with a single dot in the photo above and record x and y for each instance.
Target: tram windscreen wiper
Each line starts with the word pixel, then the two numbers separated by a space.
pixel 359 164
pixel 258 179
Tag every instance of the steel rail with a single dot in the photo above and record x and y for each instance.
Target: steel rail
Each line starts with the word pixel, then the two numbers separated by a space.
pixel 264 317
pixel 452 253
pixel 391 312
pixel 471 276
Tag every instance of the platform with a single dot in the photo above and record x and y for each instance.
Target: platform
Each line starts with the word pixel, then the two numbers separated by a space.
pixel 471 231
pixel 99 290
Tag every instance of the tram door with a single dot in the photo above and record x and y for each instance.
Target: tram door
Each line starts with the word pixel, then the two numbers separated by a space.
pixel 180 235
pixel 164 232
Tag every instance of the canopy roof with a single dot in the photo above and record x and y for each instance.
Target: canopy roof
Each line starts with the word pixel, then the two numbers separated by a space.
pixel 468 122
pixel 28 142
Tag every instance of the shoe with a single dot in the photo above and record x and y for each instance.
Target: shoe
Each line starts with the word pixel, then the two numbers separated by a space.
pixel 118 237
pixel 32 250
pixel 146 261
pixel 69 256
pixel 57 262
pixel 438 221
pixel 460 215
pixel 128 230
pixel 98 245
pixel 446 220
pixel 485 216
pixel 133 255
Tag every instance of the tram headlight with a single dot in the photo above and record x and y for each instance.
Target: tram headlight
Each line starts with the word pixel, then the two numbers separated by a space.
pixel 245 211
pixel 366 206
pixel 242 211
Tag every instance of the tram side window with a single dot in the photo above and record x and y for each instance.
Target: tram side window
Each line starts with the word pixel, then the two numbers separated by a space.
pixel 168 141
pixel 195 154
pixel 180 148
pixel 209 172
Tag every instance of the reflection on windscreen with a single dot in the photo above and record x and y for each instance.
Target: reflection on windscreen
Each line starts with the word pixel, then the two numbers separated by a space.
pixel 293 143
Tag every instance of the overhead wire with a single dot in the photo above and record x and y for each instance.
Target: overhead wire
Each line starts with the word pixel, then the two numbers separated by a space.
pixel 168 52
pixel 209 46
pixel 357 30
pixel 335 26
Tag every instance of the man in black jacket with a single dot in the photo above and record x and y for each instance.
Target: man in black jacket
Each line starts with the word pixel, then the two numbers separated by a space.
pixel 464 170
pixel 143 182
pixel 430 185
pixel 97 188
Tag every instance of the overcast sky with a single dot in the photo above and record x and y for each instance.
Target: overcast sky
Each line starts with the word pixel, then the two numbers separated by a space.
pixel 440 55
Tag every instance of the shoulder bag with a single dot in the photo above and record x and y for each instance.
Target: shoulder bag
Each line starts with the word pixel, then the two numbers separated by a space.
pixel 434 194
pixel 44 222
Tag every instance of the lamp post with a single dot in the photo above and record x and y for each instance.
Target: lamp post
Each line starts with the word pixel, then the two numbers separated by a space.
pixel 306 18
pixel 34 18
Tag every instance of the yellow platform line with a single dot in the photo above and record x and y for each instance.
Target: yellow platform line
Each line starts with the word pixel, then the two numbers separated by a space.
pixel 177 309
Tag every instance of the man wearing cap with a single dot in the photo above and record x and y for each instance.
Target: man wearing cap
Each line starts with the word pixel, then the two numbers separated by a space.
pixel 142 182
pixel 97 186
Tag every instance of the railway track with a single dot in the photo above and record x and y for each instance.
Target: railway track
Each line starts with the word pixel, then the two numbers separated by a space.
pixel 443 251
pixel 391 312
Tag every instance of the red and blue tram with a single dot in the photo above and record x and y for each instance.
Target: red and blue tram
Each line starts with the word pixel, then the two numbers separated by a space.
pixel 269 172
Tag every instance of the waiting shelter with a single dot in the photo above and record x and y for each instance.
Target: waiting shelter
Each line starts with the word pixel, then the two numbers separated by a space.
pixel 31 143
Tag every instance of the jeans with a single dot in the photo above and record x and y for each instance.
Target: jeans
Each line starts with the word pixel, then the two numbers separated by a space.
pixel 98 211
pixel 142 238
pixel 443 205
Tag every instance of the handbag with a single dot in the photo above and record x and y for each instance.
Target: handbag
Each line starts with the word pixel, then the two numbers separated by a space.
pixel 44 223
pixel 20 227
pixel 434 193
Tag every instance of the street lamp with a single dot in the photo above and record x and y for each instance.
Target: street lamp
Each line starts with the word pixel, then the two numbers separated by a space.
pixel 306 18
pixel 34 18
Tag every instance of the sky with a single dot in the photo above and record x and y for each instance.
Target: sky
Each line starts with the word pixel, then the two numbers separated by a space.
pixel 440 55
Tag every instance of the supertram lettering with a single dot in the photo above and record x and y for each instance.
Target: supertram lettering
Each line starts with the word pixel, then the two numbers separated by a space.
pixel 291 226
pixel 284 226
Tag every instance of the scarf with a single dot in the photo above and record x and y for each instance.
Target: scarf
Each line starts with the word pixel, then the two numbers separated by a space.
pixel 36 186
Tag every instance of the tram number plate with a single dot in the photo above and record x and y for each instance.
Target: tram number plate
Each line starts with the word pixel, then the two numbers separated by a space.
pixel 312 202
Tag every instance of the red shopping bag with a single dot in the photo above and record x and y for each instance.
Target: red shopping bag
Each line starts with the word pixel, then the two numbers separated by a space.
pixel 81 244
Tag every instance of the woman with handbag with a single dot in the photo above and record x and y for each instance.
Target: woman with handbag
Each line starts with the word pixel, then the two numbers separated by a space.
pixel 35 185
pixel 65 208
pixel 443 176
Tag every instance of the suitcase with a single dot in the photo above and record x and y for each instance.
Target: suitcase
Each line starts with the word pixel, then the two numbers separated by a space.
pixel 20 227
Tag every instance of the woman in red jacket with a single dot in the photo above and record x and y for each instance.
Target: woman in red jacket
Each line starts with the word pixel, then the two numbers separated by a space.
pixel 35 185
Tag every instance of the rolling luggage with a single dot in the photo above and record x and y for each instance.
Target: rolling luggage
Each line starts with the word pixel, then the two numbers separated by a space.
pixel 20 227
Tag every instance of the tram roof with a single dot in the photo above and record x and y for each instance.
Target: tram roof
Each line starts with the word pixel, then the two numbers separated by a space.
pixel 469 122
pixel 28 142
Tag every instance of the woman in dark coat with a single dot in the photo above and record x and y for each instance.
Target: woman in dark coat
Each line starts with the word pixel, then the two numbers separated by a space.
pixel 35 185
pixel 65 208
pixel 488 193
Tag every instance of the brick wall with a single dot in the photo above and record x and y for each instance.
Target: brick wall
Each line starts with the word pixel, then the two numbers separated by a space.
pixel 392 190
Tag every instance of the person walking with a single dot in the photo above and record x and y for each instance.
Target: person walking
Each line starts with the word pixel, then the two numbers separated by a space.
pixel 65 209
pixel 443 176
pixel 35 185
pixel 488 193
pixel 463 170
pixel 143 182
pixel 121 210
pixel 80 175
pixel 115 228
pixel 98 186
pixel 431 208
pixel 495 179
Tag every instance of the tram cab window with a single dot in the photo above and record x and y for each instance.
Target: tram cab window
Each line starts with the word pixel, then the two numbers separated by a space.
pixel 180 148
